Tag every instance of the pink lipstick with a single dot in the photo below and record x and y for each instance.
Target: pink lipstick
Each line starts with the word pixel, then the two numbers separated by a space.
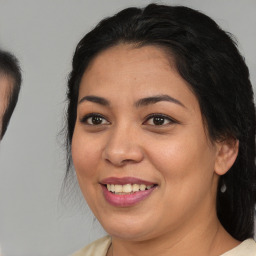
pixel 127 191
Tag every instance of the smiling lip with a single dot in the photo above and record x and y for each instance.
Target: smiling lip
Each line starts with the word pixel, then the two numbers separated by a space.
pixel 129 199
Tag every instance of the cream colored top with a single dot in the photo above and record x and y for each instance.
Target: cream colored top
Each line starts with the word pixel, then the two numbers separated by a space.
pixel 100 248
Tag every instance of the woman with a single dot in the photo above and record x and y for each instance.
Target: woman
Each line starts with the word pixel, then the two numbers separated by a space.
pixel 161 128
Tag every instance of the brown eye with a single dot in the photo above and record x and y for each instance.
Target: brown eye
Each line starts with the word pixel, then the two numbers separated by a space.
pixel 159 120
pixel 94 119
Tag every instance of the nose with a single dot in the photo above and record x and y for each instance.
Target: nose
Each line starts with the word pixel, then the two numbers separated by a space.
pixel 123 147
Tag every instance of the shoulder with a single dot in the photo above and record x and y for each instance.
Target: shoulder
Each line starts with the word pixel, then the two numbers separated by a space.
pixel 98 247
pixel 246 248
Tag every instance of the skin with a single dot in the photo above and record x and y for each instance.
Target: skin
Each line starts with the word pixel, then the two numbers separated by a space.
pixel 179 216
pixel 5 85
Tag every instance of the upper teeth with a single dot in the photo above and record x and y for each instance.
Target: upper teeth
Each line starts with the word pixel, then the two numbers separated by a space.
pixel 127 188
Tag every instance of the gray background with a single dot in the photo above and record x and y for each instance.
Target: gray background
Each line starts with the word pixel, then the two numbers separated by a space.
pixel 34 220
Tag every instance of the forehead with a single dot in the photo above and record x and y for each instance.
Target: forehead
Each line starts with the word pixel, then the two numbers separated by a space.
pixel 124 57
pixel 128 63
pixel 137 71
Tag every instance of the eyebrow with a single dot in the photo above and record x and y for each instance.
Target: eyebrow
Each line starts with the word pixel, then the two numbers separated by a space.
pixel 140 103
pixel 95 99
pixel 155 99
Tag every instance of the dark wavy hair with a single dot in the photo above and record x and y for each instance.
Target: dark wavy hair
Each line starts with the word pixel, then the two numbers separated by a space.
pixel 208 59
pixel 10 68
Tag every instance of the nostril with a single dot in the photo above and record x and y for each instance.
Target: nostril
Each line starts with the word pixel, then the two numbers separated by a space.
pixel 128 161
pixel 119 163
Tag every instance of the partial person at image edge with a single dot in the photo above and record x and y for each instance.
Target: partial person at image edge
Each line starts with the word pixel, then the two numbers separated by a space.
pixel 10 83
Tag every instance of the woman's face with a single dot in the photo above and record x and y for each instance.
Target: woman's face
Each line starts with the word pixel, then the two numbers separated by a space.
pixel 139 133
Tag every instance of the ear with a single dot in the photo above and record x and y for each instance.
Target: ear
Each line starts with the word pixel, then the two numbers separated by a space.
pixel 227 152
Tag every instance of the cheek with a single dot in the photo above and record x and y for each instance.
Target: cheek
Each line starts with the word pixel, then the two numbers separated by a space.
pixel 184 161
pixel 85 156
pixel 186 167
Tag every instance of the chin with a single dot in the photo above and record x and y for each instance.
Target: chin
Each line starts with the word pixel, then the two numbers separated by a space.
pixel 130 230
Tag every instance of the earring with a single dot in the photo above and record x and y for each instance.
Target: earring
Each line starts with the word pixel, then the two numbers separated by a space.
pixel 223 188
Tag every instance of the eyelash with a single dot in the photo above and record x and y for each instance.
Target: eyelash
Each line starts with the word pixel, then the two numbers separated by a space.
pixel 161 119
pixel 93 115
pixel 160 116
